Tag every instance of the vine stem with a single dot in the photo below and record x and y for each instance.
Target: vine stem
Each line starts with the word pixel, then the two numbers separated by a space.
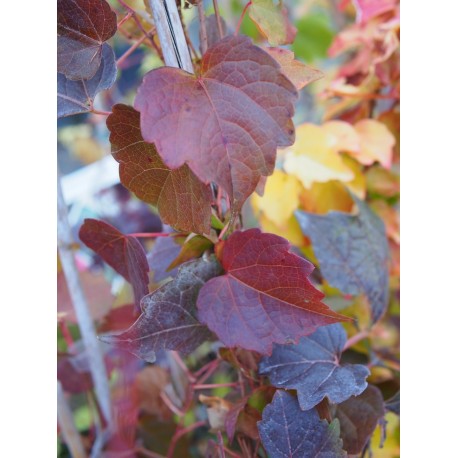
pixel 86 325
pixel 203 27
pixel 156 234
pixel 122 59
pixel 237 29
pixel 218 19
pixel 100 112
pixel 355 339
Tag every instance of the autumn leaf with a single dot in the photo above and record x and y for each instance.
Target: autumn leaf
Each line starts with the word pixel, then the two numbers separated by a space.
pixel 168 320
pixel 288 432
pixel 82 26
pixel 123 253
pixel 192 248
pixel 272 20
pixel 311 159
pixel 75 96
pixel 377 143
pixel 217 410
pixel 220 122
pixel 312 367
pixel 368 9
pixel 352 251
pixel 182 200
pixel 265 295
pixel 358 417
pixel 280 198
pixel 297 72
pixel 342 136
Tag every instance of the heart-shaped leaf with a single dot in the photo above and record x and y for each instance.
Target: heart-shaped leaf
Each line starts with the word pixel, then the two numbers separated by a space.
pixel 225 123
pixel 75 96
pixel 288 432
pixel 123 253
pixel 352 251
pixel 82 26
pixel 168 320
pixel 265 295
pixel 312 368
pixel 182 200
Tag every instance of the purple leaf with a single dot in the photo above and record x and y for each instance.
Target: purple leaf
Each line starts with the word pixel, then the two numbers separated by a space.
pixel 288 432
pixel 164 252
pixel 74 96
pixel 312 368
pixel 358 418
pixel 123 253
pixel 168 320
pixel 265 295
pixel 82 26
pixel 352 251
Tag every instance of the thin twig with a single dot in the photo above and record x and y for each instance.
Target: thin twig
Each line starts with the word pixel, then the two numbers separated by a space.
pixel 203 28
pixel 148 453
pixel 209 386
pixel 355 339
pixel 121 60
pixel 69 432
pixel 218 19
pixel 86 325
pixel 237 29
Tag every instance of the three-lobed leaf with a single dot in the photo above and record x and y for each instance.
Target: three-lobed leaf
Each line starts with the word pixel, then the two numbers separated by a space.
pixel 352 251
pixel 168 320
pixel 265 296
pixel 225 123
pixel 82 26
pixel 123 253
pixel 182 200
pixel 312 367
pixel 76 96
pixel 288 432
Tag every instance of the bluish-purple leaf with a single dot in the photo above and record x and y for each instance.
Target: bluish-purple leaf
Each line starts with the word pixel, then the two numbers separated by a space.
pixel 74 96
pixel 169 318
pixel 288 432
pixel 312 367
pixel 352 251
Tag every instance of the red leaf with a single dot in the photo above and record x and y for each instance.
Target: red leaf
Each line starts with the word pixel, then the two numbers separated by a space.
pixel 225 123
pixel 265 295
pixel 83 26
pixel 122 252
pixel 182 200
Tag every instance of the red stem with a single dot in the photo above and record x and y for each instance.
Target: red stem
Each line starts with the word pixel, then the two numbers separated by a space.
pixel 207 374
pixel 183 366
pixel 181 432
pixel 171 405
pixel 121 60
pixel 156 234
pixel 241 18
pixel 124 19
pixel 355 339
pixel 66 333
pixel 100 112
pixel 209 386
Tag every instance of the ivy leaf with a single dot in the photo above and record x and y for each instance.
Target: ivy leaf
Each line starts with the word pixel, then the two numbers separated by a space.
pixel 83 26
pixel 168 319
pixel 182 200
pixel 272 20
pixel 75 96
pixel 221 123
pixel 123 253
pixel 358 418
pixel 288 432
pixel 353 252
pixel 265 295
pixel 297 72
pixel 312 368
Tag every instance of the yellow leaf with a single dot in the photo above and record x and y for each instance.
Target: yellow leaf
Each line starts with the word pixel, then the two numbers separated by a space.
pixel 358 185
pixel 272 20
pixel 311 159
pixel 291 230
pixel 377 143
pixel 391 448
pixel 342 136
pixel 280 198
pixel 297 72
pixel 324 197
